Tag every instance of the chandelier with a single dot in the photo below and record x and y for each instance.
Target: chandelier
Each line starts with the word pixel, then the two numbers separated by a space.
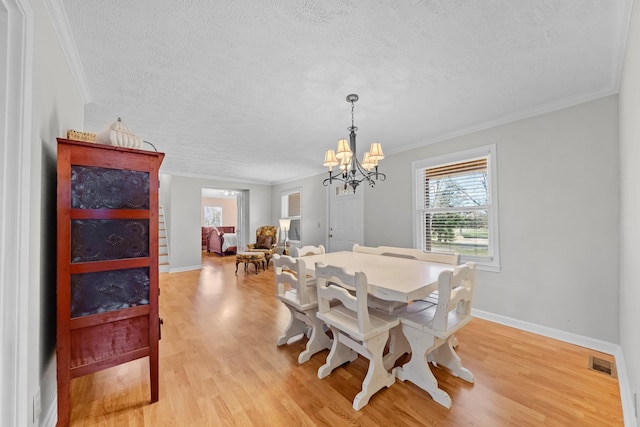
pixel 352 172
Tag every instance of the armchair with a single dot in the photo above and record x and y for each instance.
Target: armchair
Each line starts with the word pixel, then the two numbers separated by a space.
pixel 266 241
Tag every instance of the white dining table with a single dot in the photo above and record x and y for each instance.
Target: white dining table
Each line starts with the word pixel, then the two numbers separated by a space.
pixel 390 278
pixel 396 281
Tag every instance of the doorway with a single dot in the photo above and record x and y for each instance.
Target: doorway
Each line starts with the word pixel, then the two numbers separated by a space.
pixel 224 207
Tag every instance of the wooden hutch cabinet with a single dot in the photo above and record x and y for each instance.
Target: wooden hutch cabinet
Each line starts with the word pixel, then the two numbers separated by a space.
pixel 107 262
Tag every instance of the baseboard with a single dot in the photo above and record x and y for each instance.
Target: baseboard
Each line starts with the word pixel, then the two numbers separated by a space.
pixel 182 269
pixel 615 350
pixel 598 345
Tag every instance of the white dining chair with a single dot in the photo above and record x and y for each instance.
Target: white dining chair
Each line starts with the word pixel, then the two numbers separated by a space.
pixel 300 297
pixel 430 332
pixel 355 329
pixel 397 344
pixel 307 250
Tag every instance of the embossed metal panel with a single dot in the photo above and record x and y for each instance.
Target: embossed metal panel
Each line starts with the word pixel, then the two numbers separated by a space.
pixel 103 188
pixel 109 239
pixel 93 293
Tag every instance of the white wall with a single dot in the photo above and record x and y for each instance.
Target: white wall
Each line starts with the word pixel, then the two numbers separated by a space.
pixel 57 106
pixel 184 205
pixel 630 209
pixel 559 209
pixel 313 209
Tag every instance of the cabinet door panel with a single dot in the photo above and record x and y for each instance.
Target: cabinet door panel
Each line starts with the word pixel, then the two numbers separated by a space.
pixel 102 188
pixel 105 239
pixel 101 342
pixel 100 292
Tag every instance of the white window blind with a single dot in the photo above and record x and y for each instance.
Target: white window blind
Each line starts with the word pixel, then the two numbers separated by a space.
pixel 292 209
pixel 294 204
pixel 455 209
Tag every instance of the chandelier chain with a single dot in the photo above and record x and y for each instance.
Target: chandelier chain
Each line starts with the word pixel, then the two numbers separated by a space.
pixel 352 107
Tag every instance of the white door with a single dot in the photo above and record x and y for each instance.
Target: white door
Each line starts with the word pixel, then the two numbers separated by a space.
pixel 346 218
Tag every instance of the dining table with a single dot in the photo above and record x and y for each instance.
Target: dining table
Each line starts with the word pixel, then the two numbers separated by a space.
pixel 391 278
pixel 393 282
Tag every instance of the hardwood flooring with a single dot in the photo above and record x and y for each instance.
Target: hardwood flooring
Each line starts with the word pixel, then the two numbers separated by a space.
pixel 220 366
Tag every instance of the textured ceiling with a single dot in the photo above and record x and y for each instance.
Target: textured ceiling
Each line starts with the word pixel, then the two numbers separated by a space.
pixel 255 90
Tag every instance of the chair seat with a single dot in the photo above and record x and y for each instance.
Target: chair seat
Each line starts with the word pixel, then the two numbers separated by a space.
pixel 291 297
pixel 420 315
pixel 347 321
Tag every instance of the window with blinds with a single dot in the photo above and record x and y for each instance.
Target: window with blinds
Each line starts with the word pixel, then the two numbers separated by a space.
pixel 292 209
pixel 454 210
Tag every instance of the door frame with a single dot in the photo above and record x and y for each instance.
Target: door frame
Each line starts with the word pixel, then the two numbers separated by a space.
pixel 15 212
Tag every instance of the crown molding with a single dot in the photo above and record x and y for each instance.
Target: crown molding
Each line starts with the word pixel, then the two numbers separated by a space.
pixel 63 30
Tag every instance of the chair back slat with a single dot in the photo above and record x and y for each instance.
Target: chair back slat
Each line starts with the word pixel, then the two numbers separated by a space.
pixel 455 291
pixel 334 283
pixel 290 273
pixel 307 250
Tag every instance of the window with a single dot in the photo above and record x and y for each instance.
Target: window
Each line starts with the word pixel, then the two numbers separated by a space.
pixel 456 206
pixel 291 209
pixel 212 216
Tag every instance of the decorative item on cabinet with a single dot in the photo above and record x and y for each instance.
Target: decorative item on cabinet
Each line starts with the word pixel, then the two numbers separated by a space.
pixel 118 134
pixel 107 262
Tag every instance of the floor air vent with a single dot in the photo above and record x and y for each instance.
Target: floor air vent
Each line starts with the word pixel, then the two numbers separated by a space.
pixel 604 366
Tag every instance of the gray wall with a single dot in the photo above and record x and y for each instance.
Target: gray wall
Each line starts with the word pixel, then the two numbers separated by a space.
pixel 182 202
pixel 57 106
pixel 558 212
pixel 630 210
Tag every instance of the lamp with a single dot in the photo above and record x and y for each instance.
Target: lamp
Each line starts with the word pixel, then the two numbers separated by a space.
pixel 284 226
pixel 352 172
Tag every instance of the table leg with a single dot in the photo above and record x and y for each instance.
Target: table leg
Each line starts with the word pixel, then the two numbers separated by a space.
pixel 398 345
pixel 417 370
pixel 445 355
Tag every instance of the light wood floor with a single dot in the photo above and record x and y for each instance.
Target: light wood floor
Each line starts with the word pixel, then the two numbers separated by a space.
pixel 219 366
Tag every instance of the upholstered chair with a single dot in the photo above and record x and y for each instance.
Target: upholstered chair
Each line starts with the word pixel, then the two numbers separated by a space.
pixel 266 241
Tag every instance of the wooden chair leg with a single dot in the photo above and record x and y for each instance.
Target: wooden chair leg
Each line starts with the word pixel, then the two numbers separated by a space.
pixel 295 327
pixel 417 370
pixel 377 376
pixel 318 340
pixel 338 355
